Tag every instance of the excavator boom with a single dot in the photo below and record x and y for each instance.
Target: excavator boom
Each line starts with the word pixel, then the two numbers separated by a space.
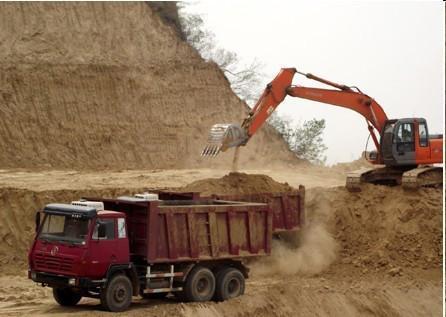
pixel 225 136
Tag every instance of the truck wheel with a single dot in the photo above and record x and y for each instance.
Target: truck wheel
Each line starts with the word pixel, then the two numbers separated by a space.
pixel 66 296
pixel 200 285
pixel 230 284
pixel 117 296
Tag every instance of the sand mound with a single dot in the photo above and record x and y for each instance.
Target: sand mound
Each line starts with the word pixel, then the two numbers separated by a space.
pixel 111 86
pixel 384 228
pixel 351 166
pixel 237 183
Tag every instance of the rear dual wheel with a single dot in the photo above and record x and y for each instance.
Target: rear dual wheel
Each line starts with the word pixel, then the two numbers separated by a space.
pixel 230 284
pixel 199 286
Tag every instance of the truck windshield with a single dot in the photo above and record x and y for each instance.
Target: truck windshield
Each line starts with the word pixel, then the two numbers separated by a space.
pixel 64 229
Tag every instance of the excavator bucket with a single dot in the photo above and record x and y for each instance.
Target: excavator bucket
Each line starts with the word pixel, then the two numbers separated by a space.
pixel 222 137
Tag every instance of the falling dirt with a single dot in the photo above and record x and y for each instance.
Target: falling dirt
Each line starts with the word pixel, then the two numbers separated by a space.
pixel 235 160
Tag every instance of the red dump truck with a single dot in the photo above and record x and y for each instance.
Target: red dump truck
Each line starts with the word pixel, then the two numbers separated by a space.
pixel 178 243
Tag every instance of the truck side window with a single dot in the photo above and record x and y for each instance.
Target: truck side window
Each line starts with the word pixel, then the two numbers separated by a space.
pixel 121 228
pixel 422 132
pixel 104 229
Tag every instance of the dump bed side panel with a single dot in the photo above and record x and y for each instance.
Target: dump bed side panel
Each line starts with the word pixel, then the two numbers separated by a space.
pixel 288 208
pixel 188 230
pixel 210 232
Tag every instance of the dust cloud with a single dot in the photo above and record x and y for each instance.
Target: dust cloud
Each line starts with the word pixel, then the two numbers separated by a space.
pixel 308 251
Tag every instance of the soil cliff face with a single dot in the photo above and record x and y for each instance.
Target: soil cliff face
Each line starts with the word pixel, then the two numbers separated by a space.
pixel 110 85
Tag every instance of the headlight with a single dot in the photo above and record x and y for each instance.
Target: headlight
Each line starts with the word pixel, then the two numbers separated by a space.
pixel 72 281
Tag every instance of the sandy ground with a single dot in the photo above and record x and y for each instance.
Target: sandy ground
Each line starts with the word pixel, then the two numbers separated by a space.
pixel 347 276
pixel 62 179
pixel 339 292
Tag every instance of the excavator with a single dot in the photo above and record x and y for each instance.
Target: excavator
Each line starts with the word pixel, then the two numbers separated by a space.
pixel 405 152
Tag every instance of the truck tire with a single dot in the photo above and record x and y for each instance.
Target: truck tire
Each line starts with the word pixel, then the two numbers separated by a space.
pixel 230 283
pixel 66 296
pixel 117 296
pixel 200 285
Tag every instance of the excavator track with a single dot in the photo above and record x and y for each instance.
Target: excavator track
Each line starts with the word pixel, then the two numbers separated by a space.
pixel 373 175
pixel 425 176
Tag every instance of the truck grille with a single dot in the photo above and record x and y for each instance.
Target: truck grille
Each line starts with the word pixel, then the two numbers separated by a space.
pixel 58 263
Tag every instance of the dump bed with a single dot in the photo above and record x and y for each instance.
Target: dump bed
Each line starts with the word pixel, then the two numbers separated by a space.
pixel 190 230
pixel 288 208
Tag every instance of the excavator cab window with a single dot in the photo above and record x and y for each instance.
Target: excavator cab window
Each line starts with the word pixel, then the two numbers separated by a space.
pixel 404 138
pixel 422 132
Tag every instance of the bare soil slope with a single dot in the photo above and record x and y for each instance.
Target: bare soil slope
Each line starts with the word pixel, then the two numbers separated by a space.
pixel 110 85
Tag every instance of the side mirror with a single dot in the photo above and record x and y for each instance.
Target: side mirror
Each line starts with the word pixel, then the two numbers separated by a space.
pixel 37 221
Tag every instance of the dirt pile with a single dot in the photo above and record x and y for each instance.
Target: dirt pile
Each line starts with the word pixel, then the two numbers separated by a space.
pixel 351 166
pixel 237 183
pixel 384 228
pixel 110 86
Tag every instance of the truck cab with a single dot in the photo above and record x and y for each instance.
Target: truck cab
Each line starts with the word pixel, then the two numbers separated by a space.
pixel 75 246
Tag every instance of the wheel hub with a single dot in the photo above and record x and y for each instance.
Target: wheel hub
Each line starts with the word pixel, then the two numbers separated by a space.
pixel 120 294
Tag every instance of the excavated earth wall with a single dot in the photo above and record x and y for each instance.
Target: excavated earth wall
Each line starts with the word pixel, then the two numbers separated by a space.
pixel 110 86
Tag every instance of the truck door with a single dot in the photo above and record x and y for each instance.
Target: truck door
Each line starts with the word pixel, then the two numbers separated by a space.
pixel 103 247
pixel 404 144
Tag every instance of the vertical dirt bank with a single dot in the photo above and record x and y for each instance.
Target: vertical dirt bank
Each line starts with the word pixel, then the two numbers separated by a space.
pixel 110 85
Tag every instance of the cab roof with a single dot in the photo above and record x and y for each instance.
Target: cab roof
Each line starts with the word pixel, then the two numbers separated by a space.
pixel 70 210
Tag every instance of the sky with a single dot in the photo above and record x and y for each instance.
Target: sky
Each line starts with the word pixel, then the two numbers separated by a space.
pixel 392 50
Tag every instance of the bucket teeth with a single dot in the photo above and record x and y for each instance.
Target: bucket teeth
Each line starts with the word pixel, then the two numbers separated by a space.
pixel 210 150
pixel 223 136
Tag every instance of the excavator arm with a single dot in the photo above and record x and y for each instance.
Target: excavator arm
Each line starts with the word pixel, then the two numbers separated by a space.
pixel 224 136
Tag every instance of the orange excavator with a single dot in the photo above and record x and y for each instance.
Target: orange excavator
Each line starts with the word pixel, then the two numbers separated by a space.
pixel 404 148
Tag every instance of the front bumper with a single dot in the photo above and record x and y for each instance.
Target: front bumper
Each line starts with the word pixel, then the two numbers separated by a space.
pixel 55 280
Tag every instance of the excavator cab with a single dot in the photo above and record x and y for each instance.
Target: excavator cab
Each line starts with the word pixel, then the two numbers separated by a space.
pixel 398 142
pixel 406 142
